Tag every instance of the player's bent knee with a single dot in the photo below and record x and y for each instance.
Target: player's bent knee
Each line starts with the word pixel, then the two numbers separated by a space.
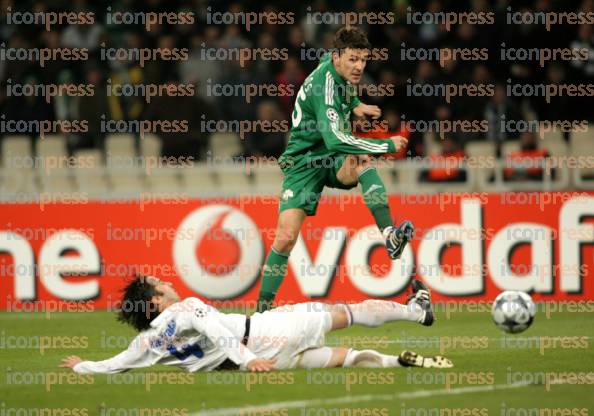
pixel 340 316
pixel 284 242
pixel 288 228
pixel 347 174
pixel 324 357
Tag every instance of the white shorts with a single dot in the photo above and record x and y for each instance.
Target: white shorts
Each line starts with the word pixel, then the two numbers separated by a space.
pixel 284 333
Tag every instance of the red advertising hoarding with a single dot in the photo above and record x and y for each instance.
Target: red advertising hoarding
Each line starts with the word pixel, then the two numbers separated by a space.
pixel 466 247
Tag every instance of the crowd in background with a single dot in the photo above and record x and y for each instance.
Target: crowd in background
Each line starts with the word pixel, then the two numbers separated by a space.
pixel 303 34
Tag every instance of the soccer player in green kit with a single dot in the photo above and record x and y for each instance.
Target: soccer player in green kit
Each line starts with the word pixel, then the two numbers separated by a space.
pixel 323 152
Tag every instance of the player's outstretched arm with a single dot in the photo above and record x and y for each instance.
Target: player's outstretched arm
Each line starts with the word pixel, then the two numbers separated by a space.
pixel 134 357
pixel 330 120
pixel 363 110
pixel 70 361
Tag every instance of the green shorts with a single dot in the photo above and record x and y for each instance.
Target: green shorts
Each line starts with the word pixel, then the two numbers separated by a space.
pixel 305 179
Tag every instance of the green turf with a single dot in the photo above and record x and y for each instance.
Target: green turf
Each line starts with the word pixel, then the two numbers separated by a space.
pixel 480 360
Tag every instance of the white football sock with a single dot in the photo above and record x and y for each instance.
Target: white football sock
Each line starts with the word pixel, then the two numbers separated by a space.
pixel 378 312
pixel 387 231
pixel 370 359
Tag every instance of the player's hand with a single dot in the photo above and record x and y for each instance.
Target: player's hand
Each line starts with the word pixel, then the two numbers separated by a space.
pixel 71 361
pixel 260 365
pixel 399 142
pixel 363 110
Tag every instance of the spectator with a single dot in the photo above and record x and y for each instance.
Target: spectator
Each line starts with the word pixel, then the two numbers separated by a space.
pixel 204 73
pixel 93 107
pixel 192 142
pixel 498 111
pixel 292 76
pixel 82 36
pixel 30 107
pixel 397 38
pixel 585 40
pixel 156 70
pixel 560 107
pixel 584 72
pixel 235 107
pixel 269 143
pixel 430 33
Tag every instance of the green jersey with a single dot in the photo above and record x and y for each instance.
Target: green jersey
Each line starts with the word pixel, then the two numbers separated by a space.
pixel 321 118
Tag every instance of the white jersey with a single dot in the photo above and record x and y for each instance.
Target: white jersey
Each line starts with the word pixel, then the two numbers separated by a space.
pixel 196 337
pixel 189 334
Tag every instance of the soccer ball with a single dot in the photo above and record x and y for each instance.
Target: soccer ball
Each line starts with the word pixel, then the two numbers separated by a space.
pixel 513 311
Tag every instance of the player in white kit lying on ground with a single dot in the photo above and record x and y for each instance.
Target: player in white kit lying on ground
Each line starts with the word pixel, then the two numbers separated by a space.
pixel 196 337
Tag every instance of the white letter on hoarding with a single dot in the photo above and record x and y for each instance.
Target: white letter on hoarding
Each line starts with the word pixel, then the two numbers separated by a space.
pixel 540 278
pixel 572 236
pixel 24 264
pixel 314 278
pixel 469 236
pixel 357 257
pixel 52 264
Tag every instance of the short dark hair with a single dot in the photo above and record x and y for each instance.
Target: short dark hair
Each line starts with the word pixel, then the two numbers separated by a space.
pixel 350 37
pixel 137 310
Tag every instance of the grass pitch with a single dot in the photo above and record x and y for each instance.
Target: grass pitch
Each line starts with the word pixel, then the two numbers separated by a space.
pixel 546 371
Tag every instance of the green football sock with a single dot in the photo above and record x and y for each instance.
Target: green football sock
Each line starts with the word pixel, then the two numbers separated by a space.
pixel 375 197
pixel 272 277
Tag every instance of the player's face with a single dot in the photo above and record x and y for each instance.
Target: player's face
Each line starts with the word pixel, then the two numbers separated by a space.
pixel 350 63
pixel 167 292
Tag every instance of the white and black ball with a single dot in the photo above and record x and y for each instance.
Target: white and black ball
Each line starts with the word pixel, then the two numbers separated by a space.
pixel 513 311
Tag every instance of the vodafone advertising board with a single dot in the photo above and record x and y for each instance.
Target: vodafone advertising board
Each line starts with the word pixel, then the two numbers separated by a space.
pixel 466 247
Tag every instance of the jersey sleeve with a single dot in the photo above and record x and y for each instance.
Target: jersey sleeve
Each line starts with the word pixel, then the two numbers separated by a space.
pixel 136 356
pixel 205 319
pixel 329 119
pixel 355 101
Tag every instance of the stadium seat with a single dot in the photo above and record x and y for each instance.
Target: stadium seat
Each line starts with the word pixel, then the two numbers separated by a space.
pixel 225 145
pixel 15 185
pixel 18 166
pixel 53 146
pixel 555 144
pixel 165 180
pixel 553 136
pixel 15 147
pixel 558 149
pixel 235 178
pixel 125 171
pixel 127 182
pixel 390 175
pixel 558 179
pixel 508 147
pixel 582 146
pixel 150 146
pixel 585 136
pixel 481 149
pixel 54 171
pixel 482 154
pixel 432 144
pixel 120 146
pixel 268 177
pixel 200 180
pixel 89 173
